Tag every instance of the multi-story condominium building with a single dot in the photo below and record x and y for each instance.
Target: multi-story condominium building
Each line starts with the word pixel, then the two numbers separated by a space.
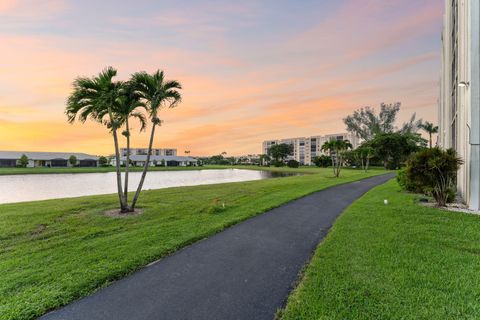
pixel 144 151
pixel 459 103
pixel 305 149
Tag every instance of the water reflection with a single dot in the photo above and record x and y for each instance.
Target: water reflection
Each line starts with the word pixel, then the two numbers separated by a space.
pixel 17 188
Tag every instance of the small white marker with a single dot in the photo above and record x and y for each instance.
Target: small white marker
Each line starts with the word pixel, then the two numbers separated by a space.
pixel 223 205
pixel 385 201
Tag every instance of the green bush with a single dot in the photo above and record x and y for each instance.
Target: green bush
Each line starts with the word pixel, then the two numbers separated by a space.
pixel 293 164
pixel 433 171
pixel 103 161
pixel 72 160
pixel 322 161
pixel 407 184
pixel 23 161
pixel 278 163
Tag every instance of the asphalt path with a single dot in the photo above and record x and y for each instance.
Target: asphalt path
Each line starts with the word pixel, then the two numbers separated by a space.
pixel 245 272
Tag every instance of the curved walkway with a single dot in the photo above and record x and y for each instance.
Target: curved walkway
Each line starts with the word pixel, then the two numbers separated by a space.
pixel 244 272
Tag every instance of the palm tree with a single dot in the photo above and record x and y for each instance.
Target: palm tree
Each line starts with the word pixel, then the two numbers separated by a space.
pixel 126 107
pixel 336 148
pixel 430 128
pixel 328 147
pixel 95 98
pixel 156 93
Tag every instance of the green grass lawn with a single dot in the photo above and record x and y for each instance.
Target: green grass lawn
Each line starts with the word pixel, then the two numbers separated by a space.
pixel 52 252
pixel 15 171
pixel 400 261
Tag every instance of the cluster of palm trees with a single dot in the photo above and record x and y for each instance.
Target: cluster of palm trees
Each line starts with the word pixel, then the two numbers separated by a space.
pixel 431 129
pixel 336 149
pixel 114 103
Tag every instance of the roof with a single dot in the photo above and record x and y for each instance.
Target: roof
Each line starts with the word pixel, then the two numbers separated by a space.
pixel 45 155
pixel 159 158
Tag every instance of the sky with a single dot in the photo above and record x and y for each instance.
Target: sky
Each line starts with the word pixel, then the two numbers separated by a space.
pixel 250 70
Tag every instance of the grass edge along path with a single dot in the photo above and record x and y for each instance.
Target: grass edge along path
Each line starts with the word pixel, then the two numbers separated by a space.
pixel 53 252
pixel 400 261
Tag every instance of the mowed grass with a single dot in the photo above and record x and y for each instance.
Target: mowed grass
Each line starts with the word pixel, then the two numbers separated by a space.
pixel 400 261
pixel 41 170
pixel 52 252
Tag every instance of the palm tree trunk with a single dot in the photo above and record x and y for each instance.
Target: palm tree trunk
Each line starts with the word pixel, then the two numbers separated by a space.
pixel 339 164
pixel 430 139
pixel 128 161
pixel 121 196
pixel 333 162
pixel 145 168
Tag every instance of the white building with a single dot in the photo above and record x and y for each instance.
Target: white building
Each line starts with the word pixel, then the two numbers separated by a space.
pixel 144 151
pixel 166 161
pixel 459 109
pixel 306 149
pixel 47 159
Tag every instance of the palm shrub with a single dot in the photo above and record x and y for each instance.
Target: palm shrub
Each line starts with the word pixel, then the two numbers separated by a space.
pixel 433 171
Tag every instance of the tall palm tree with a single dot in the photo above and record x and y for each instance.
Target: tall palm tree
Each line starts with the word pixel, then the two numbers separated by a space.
pixel 95 98
pixel 429 128
pixel 157 93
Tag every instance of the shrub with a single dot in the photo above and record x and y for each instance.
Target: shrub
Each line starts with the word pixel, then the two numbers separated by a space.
pixel 293 164
pixel 322 161
pixel 278 163
pixel 407 184
pixel 434 172
pixel 103 161
pixel 72 160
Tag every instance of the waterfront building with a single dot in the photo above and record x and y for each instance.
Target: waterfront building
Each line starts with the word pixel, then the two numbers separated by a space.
pixel 47 159
pixel 144 151
pixel 164 161
pixel 305 149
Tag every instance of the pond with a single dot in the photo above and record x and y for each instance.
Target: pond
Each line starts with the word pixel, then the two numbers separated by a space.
pixel 30 187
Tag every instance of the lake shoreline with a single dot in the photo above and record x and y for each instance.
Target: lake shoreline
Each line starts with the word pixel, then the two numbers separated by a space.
pixel 37 187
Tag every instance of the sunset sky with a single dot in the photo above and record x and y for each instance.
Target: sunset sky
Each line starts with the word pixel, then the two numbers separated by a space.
pixel 251 70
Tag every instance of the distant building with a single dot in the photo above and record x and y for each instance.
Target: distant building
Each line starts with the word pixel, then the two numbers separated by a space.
pixel 47 159
pixel 144 151
pixel 459 103
pixel 306 149
pixel 167 161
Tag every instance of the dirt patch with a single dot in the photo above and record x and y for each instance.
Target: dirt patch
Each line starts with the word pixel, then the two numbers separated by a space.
pixel 115 213
pixel 38 230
